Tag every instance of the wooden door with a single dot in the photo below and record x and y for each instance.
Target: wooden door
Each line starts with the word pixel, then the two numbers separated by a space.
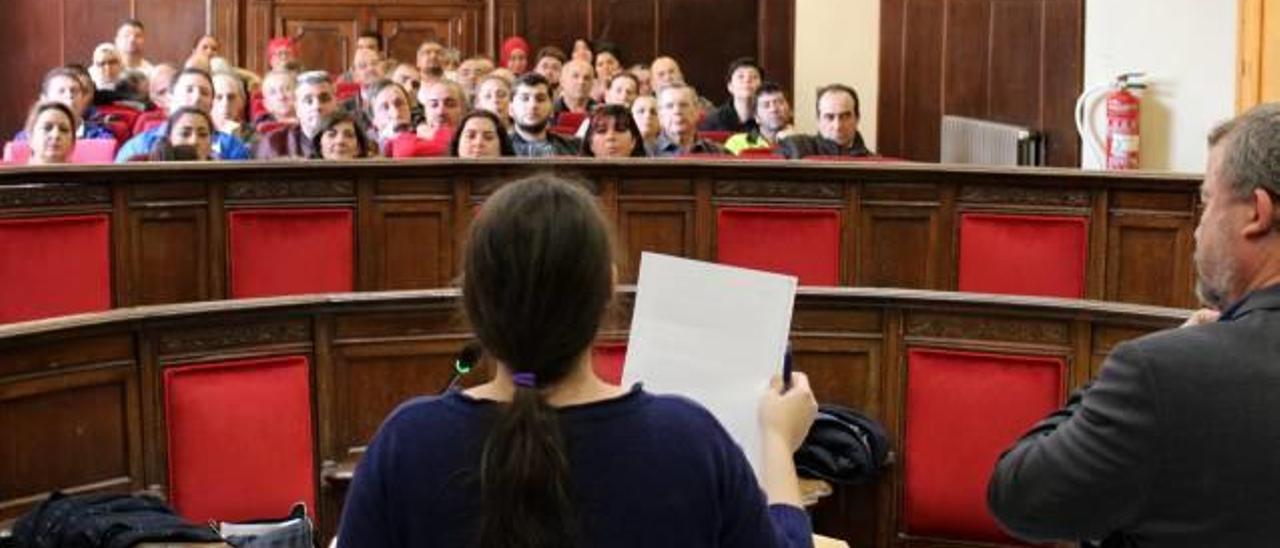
pixel 404 28
pixel 325 36
pixel 1259 67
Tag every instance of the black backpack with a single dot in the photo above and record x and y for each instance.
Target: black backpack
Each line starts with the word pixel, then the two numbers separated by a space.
pixel 843 446
pixel 104 521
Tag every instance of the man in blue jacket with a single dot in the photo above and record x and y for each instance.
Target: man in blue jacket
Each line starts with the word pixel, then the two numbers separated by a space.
pixel 192 88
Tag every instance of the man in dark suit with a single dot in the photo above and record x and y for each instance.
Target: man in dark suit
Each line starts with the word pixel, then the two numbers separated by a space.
pixel 1177 442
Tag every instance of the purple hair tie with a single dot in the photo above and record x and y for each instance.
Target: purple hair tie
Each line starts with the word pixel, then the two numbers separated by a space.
pixel 527 380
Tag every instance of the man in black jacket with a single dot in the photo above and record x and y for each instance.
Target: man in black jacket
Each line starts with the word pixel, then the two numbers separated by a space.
pixel 838 112
pixel 1175 443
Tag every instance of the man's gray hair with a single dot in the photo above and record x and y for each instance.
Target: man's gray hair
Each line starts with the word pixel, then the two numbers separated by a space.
pixel 314 78
pixel 1251 153
pixel 679 86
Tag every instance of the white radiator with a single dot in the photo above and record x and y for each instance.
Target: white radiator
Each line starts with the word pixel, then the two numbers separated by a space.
pixel 973 141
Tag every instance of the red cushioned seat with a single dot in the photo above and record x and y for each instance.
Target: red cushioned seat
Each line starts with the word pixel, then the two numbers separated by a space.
pixel 85 151
pixel 1023 254
pixel 408 145
pixel 257 105
pixel 239 438
pixel 963 409
pixel 607 360
pixel 52 266
pixel 290 251
pixel 802 242
pixel 716 136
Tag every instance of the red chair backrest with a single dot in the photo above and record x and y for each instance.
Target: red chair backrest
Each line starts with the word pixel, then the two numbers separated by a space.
pixel 570 120
pixel 347 90
pixel 409 145
pixel 148 120
pixel 716 136
pixel 86 151
pixel 290 251
pixel 1023 254
pixel 52 266
pixel 802 242
pixel 257 106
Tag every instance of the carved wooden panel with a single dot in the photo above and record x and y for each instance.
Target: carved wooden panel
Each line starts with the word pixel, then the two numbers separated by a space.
pixel 187 344
pixel 897 247
pixel 412 245
pixel 1003 330
pixel 661 227
pixel 1149 260
pixel 372 379
pixel 170 262
pixel 404 28
pixel 75 432
pixel 324 36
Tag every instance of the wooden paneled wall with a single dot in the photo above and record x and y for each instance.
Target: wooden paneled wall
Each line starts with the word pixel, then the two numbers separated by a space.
pixel 85 395
pixel 1015 61
pixel 900 223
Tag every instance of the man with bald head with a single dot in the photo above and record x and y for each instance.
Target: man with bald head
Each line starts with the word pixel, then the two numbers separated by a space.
pixel 443 103
pixel 576 79
pixel 314 99
pixel 838 110
pixel 678 115
pixel 192 88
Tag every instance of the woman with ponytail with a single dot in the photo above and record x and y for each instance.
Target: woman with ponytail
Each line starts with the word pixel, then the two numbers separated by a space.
pixel 548 455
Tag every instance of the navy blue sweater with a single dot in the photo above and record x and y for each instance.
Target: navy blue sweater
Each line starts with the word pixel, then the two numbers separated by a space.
pixel 648 470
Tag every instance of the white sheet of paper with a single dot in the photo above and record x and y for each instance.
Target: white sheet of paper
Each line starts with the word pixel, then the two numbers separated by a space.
pixel 712 333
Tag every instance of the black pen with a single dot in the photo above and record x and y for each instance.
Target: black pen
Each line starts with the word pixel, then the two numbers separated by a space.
pixel 786 369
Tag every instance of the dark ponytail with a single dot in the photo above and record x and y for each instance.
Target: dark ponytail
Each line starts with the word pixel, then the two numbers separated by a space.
pixel 537 278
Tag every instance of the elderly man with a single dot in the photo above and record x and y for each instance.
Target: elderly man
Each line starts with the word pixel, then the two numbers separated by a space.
pixel 576 80
pixel 773 121
pixel 678 115
pixel 160 84
pixel 231 107
pixel 838 111
pixel 738 113
pixel 106 67
pixel 1175 442
pixel 531 112
pixel 314 100
pixel 279 89
pixel 131 36
pixel 192 88
pixel 443 103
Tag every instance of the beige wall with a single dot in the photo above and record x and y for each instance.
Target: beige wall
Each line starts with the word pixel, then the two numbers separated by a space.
pixel 837 41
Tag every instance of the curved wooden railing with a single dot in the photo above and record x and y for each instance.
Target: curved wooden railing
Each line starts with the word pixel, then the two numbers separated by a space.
pixel 899 224
pixel 84 395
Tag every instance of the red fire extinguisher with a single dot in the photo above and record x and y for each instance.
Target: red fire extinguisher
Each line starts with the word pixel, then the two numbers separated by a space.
pixel 1122 122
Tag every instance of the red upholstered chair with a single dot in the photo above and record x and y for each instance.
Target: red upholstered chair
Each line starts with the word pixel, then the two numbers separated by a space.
pixel 240 438
pixel 962 410
pixel 1023 254
pixel 346 90
pixel 801 242
pixel 607 359
pixel 148 120
pixel 570 120
pixel 409 145
pixel 717 136
pixel 257 106
pixel 16 152
pixel 51 266
pixel 760 154
pixel 290 251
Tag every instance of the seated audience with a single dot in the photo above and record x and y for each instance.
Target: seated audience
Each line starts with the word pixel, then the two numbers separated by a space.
pixel 193 88
pixel 773 121
pixel 281 53
pixel 68 86
pixel 838 112
pixel 430 61
pixel 608 63
pixel 641 72
pixel 1173 443
pixel 279 90
pixel 611 133
pixel 622 89
pixel 452 58
pixel 340 138
pixel 51 131
pixel 314 100
pixel 494 95
pixel 366 67
pixel 131 37
pixel 471 71
pixel 738 113
pixel 515 55
pixel 665 71
pixel 443 103
pixel 206 47
pixel 576 79
pixel 131 91
pixel 480 135
pixel 547 453
pixel 408 77
pixel 531 112
pixel 644 111
pixel 369 40
pixel 230 110
pixel 106 67
pixel 549 62
pixel 388 111
pixel 678 114
pixel 187 127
